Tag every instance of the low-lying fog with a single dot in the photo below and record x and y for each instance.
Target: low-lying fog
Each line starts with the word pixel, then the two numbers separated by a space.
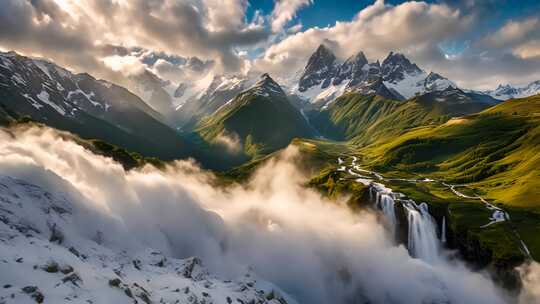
pixel 315 250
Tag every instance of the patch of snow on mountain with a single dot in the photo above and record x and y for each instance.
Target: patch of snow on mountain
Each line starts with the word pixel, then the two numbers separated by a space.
pixel 5 62
pixel 409 86
pixel 440 84
pixel 43 67
pixel 44 97
pixel 32 101
pixel 18 79
pixel 88 96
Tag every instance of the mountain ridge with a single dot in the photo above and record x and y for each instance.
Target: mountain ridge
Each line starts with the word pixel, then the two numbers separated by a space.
pixel 86 106
pixel 242 119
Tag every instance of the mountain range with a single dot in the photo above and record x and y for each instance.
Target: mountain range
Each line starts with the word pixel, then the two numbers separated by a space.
pixel 503 92
pixel 86 106
pixel 471 158
pixel 322 99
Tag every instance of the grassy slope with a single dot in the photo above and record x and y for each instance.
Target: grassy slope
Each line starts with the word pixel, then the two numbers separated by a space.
pixel 495 153
pixel 262 125
pixel 349 114
pixel 366 119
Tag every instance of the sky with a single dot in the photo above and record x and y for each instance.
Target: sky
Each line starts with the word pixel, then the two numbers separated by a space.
pixel 477 44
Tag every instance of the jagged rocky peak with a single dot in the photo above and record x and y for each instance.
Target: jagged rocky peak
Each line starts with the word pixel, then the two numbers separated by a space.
pixel 320 68
pixel 437 82
pixel 358 60
pixel 322 55
pixel 508 91
pixel 352 68
pixel 396 66
pixel 266 86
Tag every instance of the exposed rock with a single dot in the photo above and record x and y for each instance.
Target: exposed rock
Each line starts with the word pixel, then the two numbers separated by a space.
pixel 66 269
pixel 115 282
pixel 29 289
pixel 51 267
pixel 56 235
pixel 73 278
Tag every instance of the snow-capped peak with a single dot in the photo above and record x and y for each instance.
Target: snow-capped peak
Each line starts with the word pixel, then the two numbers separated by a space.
pixel 320 68
pixel 436 82
pixel 266 87
pixel 324 78
pixel 507 91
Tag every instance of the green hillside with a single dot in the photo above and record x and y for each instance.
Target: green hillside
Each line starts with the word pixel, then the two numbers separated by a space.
pixel 350 114
pixel 260 120
pixel 495 150
pixel 364 119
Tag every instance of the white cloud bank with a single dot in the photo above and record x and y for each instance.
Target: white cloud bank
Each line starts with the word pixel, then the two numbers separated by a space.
pixel 316 250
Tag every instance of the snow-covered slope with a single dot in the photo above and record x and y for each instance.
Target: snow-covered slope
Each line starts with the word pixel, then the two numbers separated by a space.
pixel 47 87
pixel 503 92
pixel 55 251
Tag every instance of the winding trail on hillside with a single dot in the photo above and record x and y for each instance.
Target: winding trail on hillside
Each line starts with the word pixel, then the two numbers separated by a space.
pixel 368 177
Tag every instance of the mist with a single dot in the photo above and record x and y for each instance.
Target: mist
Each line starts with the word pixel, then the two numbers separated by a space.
pixel 315 250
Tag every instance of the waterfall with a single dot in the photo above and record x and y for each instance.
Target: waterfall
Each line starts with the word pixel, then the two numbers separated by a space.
pixel 384 201
pixel 443 230
pixel 423 241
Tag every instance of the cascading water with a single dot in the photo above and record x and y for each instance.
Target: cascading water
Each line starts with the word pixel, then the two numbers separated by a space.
pixel 423 241
pixel 443 230
pixel 386 203
pixel 385 200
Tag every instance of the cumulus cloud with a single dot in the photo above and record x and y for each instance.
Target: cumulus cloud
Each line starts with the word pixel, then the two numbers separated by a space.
pixel 514 32
pixel 314 249
pixel 77 33
pixel 285 10
pixel 128 65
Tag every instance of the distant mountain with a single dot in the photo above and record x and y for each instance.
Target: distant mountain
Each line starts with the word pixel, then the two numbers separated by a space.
pixel 208 95
pixel 81 104
pixel 156 92
pixel 258 120
pixel 166 95
pixel 325 78
pixel 503 92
